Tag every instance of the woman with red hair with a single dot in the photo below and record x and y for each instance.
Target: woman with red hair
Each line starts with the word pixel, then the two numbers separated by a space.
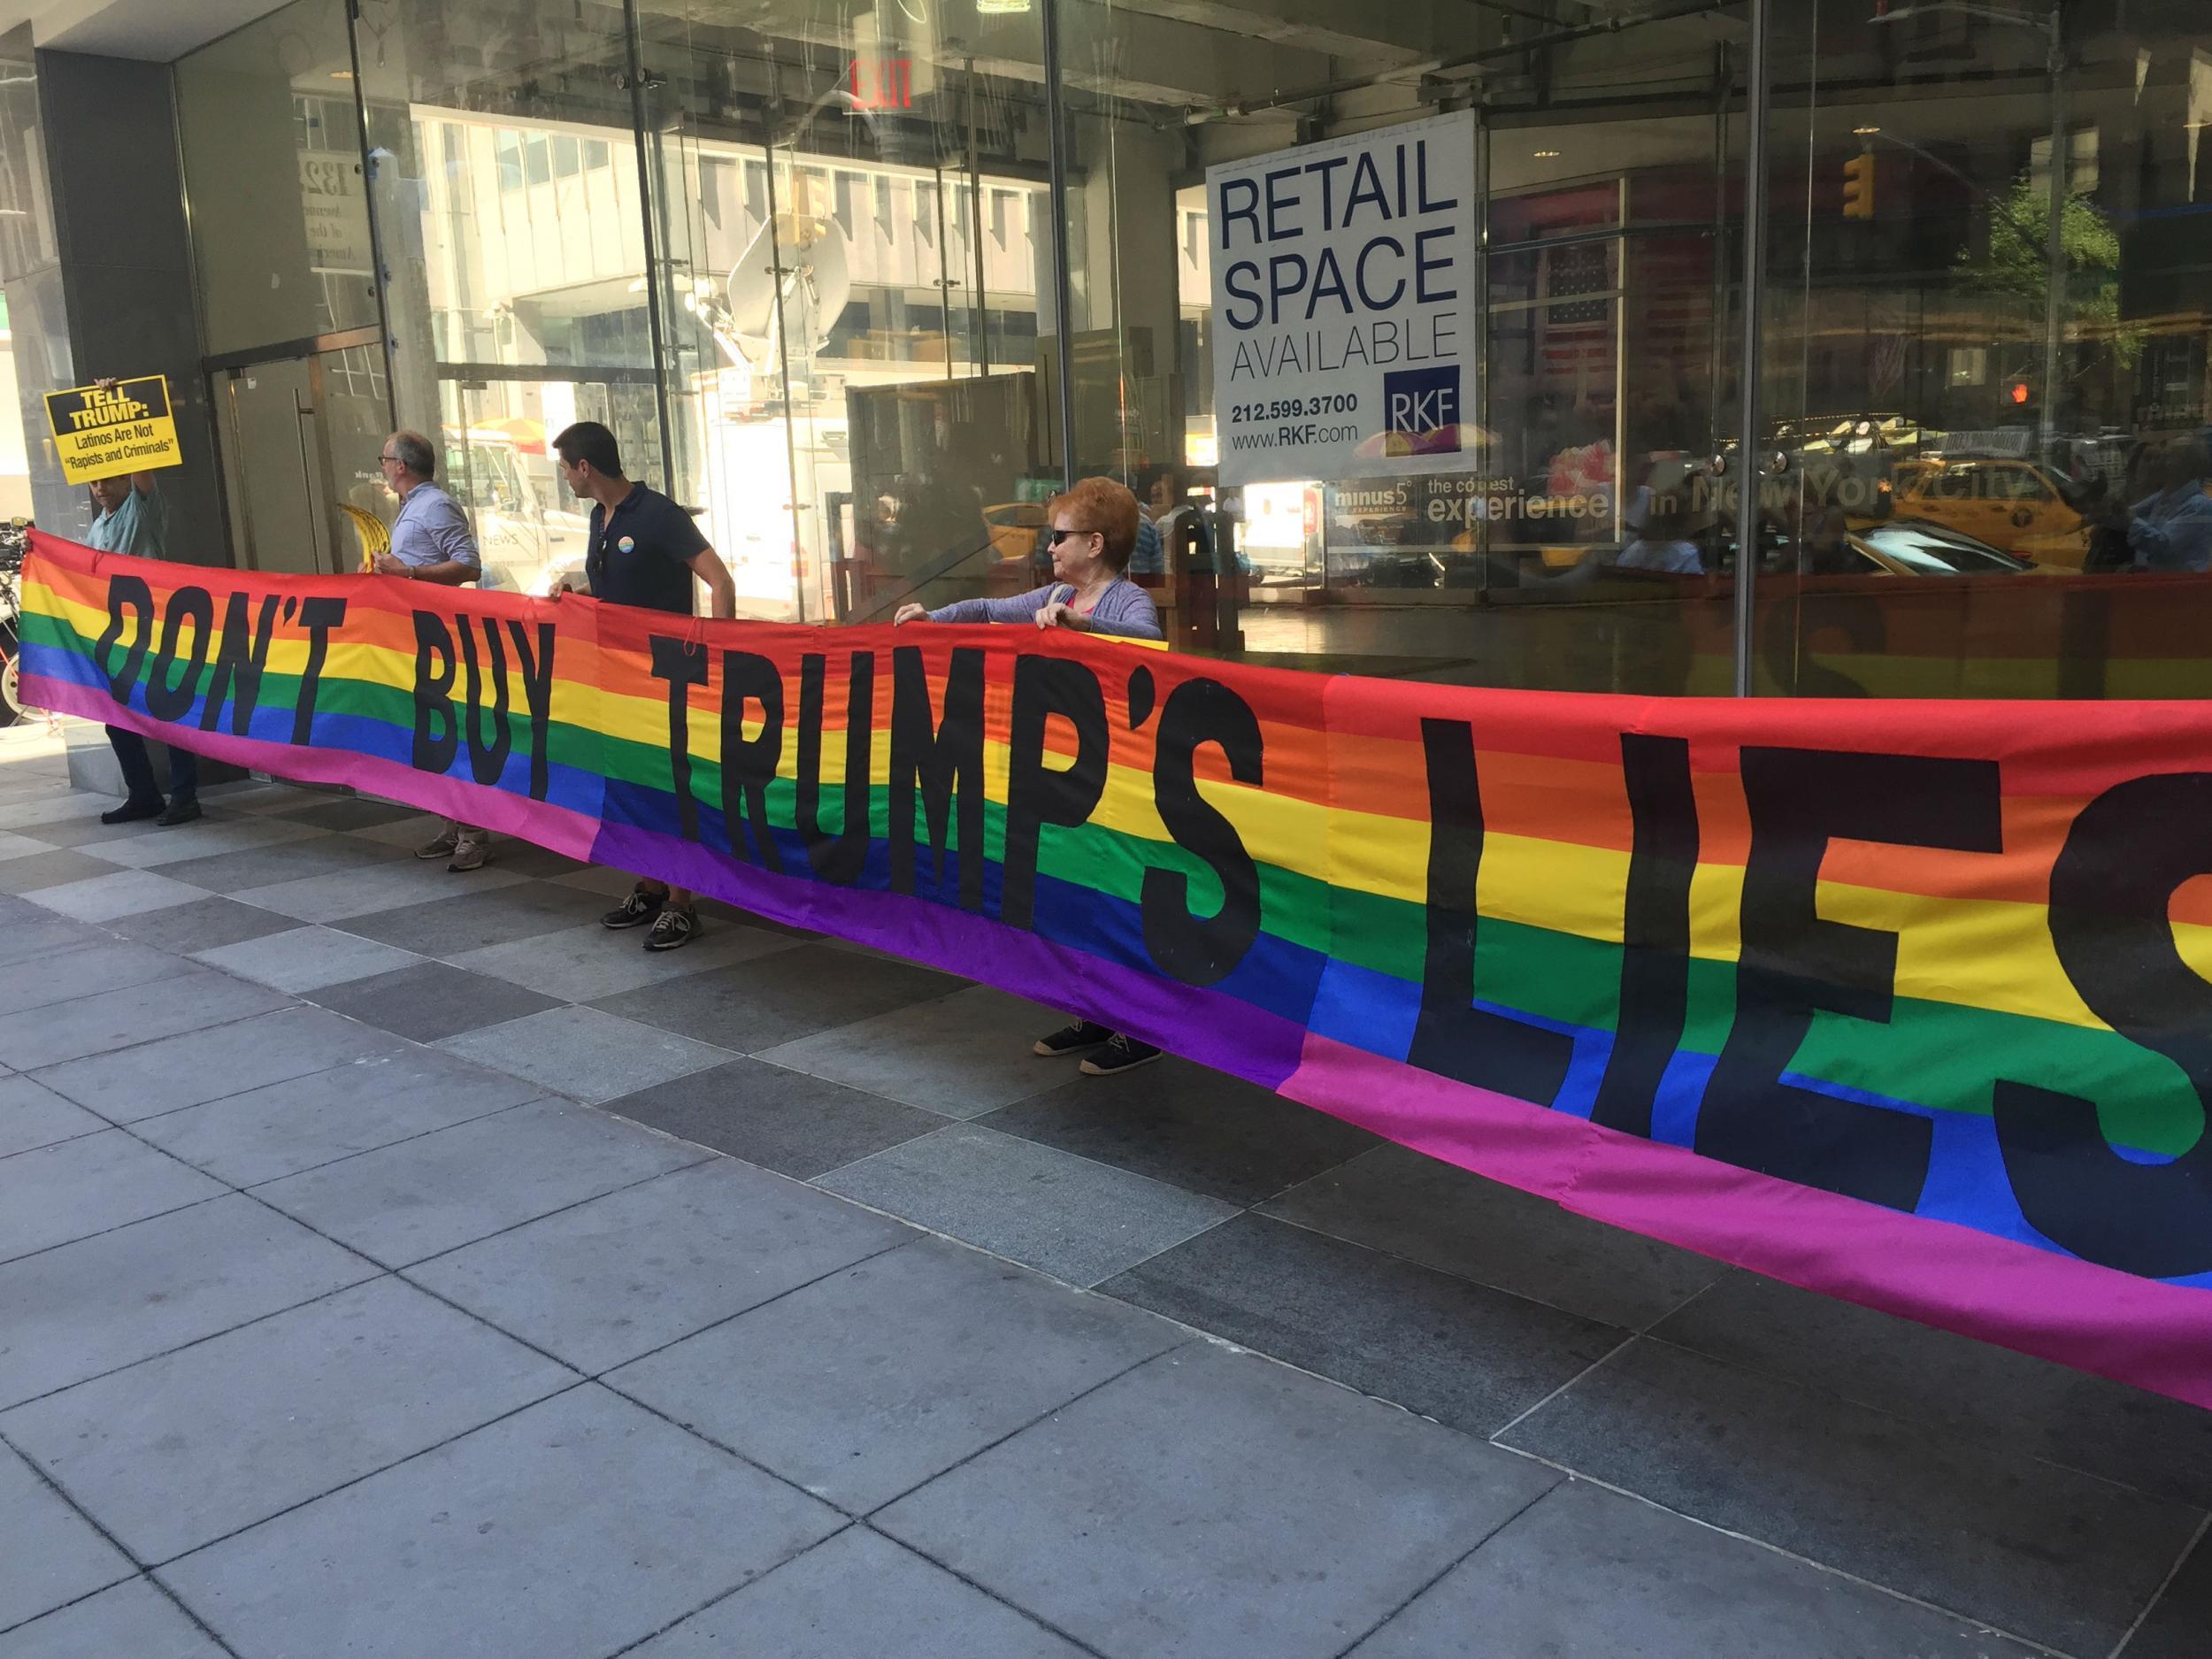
pixel 1093 532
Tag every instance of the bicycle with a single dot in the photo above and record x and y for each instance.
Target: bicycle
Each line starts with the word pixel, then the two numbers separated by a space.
pixel 14 543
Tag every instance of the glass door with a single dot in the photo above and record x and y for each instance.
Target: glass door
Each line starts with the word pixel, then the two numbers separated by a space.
pixel 301 435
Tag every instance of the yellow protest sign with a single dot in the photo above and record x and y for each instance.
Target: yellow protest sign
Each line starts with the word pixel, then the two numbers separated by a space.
pixel 102 430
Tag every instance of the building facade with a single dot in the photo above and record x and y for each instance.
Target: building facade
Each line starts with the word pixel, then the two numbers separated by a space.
pixel 862 282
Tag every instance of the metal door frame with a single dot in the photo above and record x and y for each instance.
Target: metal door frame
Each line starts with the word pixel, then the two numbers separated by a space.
pixel 222 374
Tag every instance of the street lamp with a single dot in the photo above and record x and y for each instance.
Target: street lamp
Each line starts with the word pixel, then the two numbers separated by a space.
pixel 2054 240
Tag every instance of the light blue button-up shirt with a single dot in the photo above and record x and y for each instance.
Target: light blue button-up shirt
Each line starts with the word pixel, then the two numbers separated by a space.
pixel 430 529
pixel 138 526
pixel 2172 530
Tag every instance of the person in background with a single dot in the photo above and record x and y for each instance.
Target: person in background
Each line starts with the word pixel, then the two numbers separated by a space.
pixel 431 542
pixel 1637 507
pixel 1824 542
pixel 131 517
pixel 2172 528
pixel 1663 544
pixel 1150 557
pixel 1093 532
pixel 644 550
pixel 1174 513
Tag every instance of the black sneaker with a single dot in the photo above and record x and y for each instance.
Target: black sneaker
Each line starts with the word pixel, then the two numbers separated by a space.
pixel 184 811
pixel 673 928
pixel 635 911
pixel 135 811
pixel 1072 1040
pixel 1121 1054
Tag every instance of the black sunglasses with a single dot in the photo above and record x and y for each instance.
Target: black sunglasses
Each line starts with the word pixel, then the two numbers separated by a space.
pixel 1059 536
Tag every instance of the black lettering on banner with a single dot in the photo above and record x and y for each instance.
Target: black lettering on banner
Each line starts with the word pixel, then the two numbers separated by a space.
pixel 946 759
pixel 843 858
pixel 535 665
pixel 1036 794
pixel 2111 887
pixel 748 764
pixel 437 724
pixel 318 617
pixel 683 665
pixel 488 757
pixel 1202 950
pixel 241 657
pixel 1452 1037
pixel 1141 693
pixel 1655 930
pixel 164 700
pixel 125 593
pixel 1793 963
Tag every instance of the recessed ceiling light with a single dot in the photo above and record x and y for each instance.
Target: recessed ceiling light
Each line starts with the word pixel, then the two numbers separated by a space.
pixel 1548 155
pixel 1866 132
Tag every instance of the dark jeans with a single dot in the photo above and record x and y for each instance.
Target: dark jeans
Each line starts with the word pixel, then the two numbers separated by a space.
pixel 138 768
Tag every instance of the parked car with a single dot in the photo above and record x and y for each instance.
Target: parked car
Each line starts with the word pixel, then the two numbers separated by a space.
pixel 1914 547
pixel 1899 547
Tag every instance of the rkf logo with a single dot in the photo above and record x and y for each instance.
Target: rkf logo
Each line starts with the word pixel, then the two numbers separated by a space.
pixel 1421 405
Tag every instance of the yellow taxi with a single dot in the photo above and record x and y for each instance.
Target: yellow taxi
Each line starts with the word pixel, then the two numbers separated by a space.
pixel 2014 504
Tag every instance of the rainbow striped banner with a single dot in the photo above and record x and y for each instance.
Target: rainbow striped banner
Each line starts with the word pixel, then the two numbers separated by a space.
pixel 1907 1002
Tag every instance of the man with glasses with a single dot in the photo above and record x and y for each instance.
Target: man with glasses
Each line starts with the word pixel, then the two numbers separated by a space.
pixel 431 542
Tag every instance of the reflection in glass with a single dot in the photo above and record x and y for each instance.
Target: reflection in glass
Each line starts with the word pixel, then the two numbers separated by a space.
pixel 1602 387
pixel 1989 332
pixel 507 188
pixel 851 219
pixel 271 138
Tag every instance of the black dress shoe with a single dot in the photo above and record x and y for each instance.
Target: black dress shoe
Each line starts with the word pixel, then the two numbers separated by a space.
pixel 179 812
pixel 132 811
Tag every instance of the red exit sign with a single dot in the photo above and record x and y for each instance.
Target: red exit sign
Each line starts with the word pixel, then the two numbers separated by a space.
pixel 883 83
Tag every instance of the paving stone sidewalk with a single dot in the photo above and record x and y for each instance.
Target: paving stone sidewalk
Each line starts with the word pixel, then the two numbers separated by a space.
pixel 394 1262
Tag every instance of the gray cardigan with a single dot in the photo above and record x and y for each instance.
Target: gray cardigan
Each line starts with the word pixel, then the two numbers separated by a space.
pixel 1124 609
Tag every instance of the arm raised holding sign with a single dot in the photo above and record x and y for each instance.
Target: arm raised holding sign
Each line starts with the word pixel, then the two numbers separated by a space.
pixel 107 491
pixel 128 514
pixel 129 517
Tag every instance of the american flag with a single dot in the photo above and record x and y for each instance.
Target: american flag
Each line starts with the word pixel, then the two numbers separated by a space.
pixel 1575 337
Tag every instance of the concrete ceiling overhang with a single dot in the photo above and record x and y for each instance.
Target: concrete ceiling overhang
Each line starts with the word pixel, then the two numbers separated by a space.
pixel 157 31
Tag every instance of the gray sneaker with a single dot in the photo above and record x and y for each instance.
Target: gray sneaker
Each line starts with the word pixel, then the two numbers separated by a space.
pixel 672 929
pixel 471 854
pixel 635 911
pixel 439 846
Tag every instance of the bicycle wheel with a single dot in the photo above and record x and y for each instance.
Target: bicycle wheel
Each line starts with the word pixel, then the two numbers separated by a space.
pixel 11 708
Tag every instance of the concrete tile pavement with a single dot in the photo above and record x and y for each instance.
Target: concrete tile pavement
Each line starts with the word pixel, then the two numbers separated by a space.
pixel 410 1355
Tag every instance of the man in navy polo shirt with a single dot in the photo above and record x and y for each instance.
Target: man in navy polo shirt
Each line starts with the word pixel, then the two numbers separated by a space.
pixel 644 550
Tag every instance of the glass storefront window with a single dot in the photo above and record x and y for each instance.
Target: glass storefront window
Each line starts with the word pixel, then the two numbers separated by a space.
pixel 1590 379
pixel 269 126
pixel 805 261
pixel 509 193
pixel 853 229
pixel 1999 358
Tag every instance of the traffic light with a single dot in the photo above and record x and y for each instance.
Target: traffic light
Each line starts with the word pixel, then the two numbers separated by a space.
pixel 2019 391
pixel 1858 187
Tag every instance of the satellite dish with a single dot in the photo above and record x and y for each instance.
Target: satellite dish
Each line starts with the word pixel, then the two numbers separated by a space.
pixel 806 296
